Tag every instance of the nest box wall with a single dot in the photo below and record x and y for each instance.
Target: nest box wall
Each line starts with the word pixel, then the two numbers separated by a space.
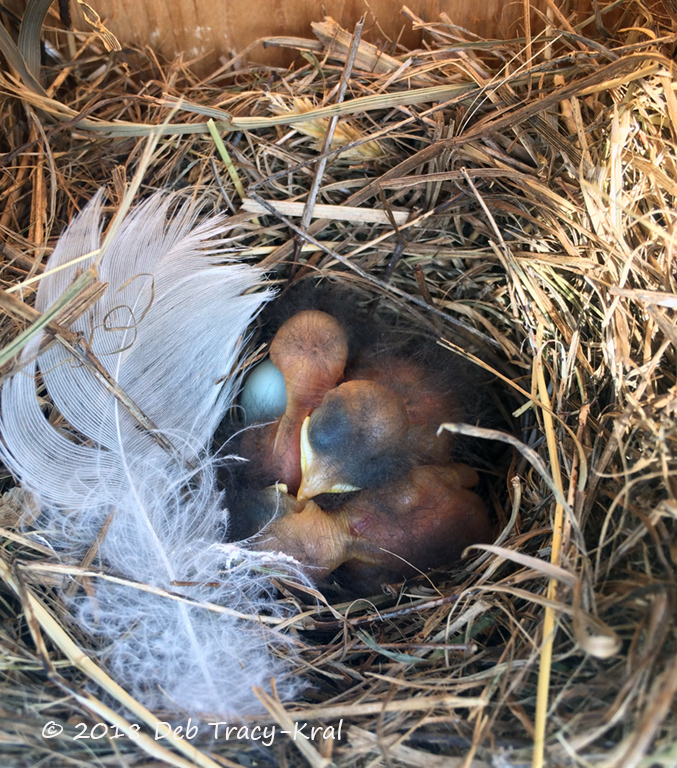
pixel 210 32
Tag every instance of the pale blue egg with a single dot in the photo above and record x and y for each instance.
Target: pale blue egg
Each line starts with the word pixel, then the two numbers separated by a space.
pixel 264 395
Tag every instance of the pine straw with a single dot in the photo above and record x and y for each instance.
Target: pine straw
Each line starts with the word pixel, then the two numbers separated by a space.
pixel 536 185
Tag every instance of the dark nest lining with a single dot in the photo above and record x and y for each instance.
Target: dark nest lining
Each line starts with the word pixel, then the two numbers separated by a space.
pixel 538 188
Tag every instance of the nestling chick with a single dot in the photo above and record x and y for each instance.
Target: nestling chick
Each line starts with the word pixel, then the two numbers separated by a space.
pixel 363 405
pixel 356 439
pixel 423 520
pixel 367 432
pixel 310 350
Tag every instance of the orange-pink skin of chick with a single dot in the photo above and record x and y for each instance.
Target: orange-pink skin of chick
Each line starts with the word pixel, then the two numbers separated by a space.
pixel 427 407
pixel 421 521
pixel 310 350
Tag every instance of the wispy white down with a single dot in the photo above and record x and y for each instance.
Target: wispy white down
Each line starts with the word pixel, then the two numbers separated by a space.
pixel 168 329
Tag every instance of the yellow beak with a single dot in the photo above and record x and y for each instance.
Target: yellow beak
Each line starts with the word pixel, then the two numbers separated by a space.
pixel 317 475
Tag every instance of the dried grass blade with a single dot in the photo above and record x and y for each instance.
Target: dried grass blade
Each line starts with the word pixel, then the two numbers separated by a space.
pixel 549 621
pixel 29 34
pixel 14 58
pixel 302 743
pixel 321 211
pixel 15 346
pixel 331 128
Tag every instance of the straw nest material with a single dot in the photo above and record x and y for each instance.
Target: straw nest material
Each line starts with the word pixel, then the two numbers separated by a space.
pixel 518 196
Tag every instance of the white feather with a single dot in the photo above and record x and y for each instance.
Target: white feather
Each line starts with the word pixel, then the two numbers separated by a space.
pixel 168 328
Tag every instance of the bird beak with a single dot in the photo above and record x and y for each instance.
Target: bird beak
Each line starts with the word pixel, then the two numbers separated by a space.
pixel 316 477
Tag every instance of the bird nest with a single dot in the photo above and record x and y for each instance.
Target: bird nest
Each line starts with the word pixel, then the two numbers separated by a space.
pixel 517 197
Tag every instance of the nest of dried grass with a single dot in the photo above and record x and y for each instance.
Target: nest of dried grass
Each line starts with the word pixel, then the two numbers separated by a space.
pixel 517 194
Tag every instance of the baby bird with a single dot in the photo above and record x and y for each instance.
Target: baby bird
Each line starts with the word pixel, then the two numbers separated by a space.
pixel 422 520
pixel 362 406
pixel 375 427
pixel 356 439
pixel 310 350
pixel 430 395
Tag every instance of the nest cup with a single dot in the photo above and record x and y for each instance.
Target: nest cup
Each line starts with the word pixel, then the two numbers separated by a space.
pixel 516 200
